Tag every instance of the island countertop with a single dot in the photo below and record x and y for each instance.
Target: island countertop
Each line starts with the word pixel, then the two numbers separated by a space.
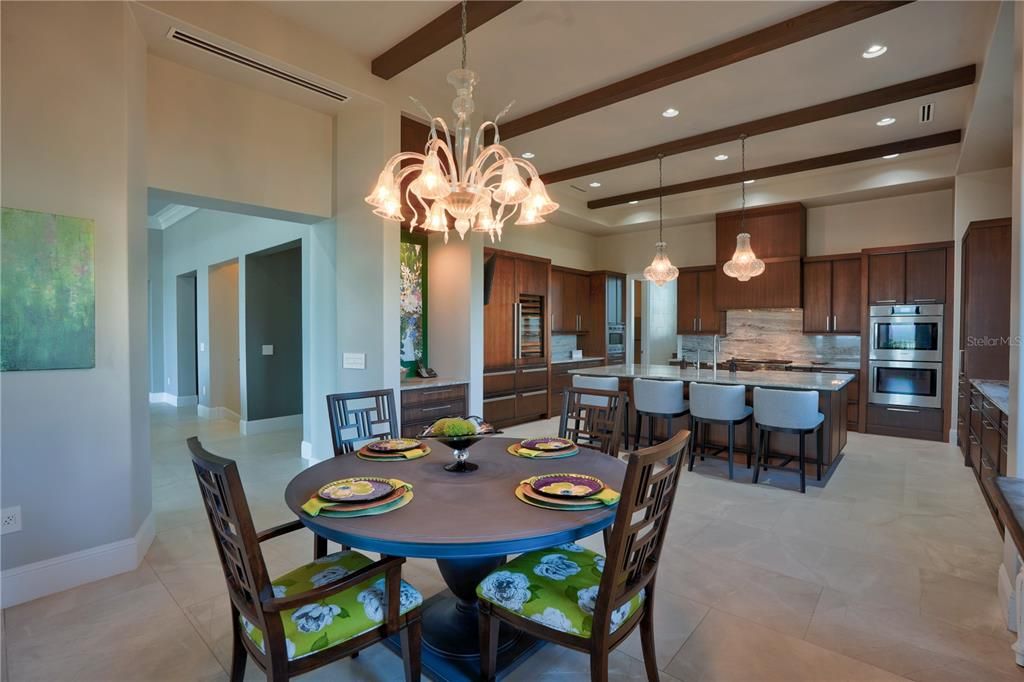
pixel 812 381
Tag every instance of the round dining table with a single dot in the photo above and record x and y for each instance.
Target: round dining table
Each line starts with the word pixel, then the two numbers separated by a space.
pixel 468 522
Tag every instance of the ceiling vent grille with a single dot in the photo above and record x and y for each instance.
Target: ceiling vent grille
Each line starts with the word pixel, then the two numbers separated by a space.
pixel 578 188
pixel 927 112
pixel 212 48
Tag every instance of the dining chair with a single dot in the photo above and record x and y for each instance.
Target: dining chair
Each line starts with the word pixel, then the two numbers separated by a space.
pixel 580 599
pixel 311 616
pixel 360 417
pixel 593 418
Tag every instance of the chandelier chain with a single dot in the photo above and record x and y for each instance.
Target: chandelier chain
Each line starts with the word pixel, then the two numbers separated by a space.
pixel 743 179
pixel 660 198
pixel 464 3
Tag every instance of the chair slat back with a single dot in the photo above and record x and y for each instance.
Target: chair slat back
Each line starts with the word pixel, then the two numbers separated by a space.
pixel 593 418
pixel 641 522
pixel 358 418
pixel 233 531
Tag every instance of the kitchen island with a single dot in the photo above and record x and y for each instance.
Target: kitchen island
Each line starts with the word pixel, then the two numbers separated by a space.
pixel 832 400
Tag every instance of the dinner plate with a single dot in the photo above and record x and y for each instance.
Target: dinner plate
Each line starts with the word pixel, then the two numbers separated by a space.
pixel 567 485
pixel 357 489
pixel 561 501
pixel 548 444
pixel 557 454
pixel 356 506
pixel 394 445
pixel 372 511
pixel 551 504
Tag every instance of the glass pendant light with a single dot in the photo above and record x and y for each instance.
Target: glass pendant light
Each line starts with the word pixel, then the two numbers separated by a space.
pixel 661 269
pixel 744 264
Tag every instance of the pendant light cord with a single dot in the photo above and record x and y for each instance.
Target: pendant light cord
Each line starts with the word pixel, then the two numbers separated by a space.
pixel 464 34
pixel 660 199
pixel 743 179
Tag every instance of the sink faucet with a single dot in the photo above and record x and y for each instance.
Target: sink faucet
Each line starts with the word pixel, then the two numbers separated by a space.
pixel 715 343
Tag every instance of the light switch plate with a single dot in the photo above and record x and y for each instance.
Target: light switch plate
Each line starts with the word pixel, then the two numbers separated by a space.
pixel 10 520
pixel 353 361
pixel 268 349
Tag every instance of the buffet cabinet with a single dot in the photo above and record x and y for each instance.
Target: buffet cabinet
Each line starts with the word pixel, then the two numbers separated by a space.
pixel 421 407
pixel 561 379
pixel 984 447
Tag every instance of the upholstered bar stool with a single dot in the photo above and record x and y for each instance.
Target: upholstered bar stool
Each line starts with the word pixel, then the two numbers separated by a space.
pixel 786 412
pixel 584 382
pixel 717 404
pixel 656 400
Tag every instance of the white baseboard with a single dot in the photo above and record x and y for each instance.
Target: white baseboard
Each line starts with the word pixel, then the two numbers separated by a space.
pixel 32 581
pixel 218 413
pixel 176 400
pixel 253 426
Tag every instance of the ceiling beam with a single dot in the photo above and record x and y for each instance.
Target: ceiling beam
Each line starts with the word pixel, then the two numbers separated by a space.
pixel 441 31
pixel 801 27
pixel 839 159
pixel 920 87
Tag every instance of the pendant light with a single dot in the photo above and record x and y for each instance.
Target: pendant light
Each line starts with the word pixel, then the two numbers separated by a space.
pixel 661 269
pixel 744 263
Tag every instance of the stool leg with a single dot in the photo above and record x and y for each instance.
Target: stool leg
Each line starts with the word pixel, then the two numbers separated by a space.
pixel 821 449
pixel 803 484
pixel 695 430
pixel 704 440
pixel 767 448
pixel 732 439
pixel 650 430
pixel 639 430
pixel 750 439
pixel 757 458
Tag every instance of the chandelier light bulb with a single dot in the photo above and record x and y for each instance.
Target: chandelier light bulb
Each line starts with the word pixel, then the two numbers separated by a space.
pixel 661 269
pixel 512 189
pixel 431 183
pixel 436 221
pixel 744 264
pixel 539 200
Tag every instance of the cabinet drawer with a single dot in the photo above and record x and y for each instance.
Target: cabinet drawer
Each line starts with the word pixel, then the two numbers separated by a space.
pixel 499 410
pixel 853 390
pixel 991 442
pixel 434 411
pixel 496 383
pixel 442 394
pixel 531 403
pixel 905 418
pixel 991 413
pixel 531 378
pixel 852 412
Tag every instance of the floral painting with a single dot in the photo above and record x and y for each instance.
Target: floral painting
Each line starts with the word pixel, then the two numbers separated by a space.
pixel 47 291
pixel 413 293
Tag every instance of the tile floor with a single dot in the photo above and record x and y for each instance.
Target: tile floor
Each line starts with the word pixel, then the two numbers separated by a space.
pixel 888 573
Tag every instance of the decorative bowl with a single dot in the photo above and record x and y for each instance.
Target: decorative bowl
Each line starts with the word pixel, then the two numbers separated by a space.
pixel 460 444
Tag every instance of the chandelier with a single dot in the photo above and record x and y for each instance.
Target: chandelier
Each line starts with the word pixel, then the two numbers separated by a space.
pixel 661 269
pixel 463 180
pixel 744 264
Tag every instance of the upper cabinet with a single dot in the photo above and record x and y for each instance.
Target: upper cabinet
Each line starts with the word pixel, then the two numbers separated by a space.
pixel 778 237
pixel 832 294
pixel 695 302
pixel 926 276
pixel 907 277
pixel 570 301
pixel 985 299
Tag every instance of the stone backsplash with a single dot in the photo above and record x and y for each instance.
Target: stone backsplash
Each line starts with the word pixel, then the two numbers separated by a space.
pixel 562 346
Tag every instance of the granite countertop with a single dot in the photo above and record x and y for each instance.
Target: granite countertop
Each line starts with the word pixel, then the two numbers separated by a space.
pixel 585 358
pixel 829 364
pixel 412 383
pixel 998 392
pixel 817 381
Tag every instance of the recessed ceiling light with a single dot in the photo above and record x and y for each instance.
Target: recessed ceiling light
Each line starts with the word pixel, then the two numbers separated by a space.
pixel 721 157
pixel 528 155
pixel 874 51
pixel 887 121
pixel 595 184
pixel 748 182
pixel 670 113
pixel 634 202
pixel 890 156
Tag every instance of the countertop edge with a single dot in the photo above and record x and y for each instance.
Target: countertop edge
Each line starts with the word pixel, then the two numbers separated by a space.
pixel 985 386
pixel 814 381
pixel 414 383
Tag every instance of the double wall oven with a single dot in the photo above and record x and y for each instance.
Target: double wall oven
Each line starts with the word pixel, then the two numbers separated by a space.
pixel 905 356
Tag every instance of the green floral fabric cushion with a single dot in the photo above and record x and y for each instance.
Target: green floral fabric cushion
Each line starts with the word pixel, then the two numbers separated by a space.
pixel 556 587
pixel 338 618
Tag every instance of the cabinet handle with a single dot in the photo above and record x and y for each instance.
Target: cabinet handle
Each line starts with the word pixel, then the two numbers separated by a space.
pixel 827 319
pixel 531 371
pixel 694 321
pixel 700 324
pixel 902 409
pixel 495 400
pixel 834 322
pixel 925 300
pixel 426 393
pixel 533 393
pixel 499 374
pixel 886 300
pixel 436 409
pixel 515 329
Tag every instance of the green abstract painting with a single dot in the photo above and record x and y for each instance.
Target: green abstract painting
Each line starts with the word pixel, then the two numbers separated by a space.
pixel 47 291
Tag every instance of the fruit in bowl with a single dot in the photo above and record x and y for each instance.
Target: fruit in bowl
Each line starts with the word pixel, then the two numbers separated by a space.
pixel 459 434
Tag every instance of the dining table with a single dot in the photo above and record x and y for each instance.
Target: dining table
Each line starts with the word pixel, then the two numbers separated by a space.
pixel 468 522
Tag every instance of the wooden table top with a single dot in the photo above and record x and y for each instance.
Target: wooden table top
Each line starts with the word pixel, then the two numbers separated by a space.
pixel 459 515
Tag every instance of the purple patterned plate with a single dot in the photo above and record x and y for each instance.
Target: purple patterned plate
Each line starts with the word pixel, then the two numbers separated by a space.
pixel 548 444
pixel 360 489
pixel 394 445
pixel 566 485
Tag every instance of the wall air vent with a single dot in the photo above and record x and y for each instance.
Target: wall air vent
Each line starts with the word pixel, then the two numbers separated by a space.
pixel 220 51
pixel 927 111
pixel 578 188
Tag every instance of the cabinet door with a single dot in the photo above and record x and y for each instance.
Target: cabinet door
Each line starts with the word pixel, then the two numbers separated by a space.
pixel 620 300
pixel 926 276
pixel 845 295
pixel 532 276
pixel 708 319
pixel 687 302
pixel 569 302
pixel 556 299
pixel 818 296
pixel 499 316
pixel 886 278
pixel 583 302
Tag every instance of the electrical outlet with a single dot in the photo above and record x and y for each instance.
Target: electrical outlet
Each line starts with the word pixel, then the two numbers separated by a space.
pixel 10 520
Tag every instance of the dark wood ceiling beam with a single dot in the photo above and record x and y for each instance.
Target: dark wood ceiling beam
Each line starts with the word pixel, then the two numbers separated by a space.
pixel 920 87
pixel 807 25
pixel 839 159
pixel 440 32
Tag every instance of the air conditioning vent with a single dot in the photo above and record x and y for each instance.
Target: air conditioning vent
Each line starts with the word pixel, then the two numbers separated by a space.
pixel 578 188
pixel 927 111
pixel 188 39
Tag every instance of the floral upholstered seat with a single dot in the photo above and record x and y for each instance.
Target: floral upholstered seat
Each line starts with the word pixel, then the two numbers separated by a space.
pixel 556 587
pixel 338 618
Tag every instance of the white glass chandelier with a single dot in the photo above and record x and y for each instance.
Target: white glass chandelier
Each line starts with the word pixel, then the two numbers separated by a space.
pixel 661 269
pixel 463 180
pixel 744 263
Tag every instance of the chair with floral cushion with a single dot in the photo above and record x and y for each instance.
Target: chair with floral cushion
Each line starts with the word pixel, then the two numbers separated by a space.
pixel 580 599
pixel 311 616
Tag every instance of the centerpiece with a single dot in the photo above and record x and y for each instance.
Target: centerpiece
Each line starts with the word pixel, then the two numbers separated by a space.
pixel 459 434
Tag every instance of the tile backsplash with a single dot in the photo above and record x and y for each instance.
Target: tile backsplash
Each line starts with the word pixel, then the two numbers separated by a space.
pixel 771 334
pixel 562 346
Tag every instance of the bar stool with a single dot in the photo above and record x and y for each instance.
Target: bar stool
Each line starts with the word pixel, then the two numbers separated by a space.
pixel 717 404
pixel 656 400
pixel 584 382
pixel 782 411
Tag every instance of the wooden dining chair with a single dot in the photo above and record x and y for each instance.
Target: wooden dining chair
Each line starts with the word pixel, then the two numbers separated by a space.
pixel 580 599
pixel 361 417
pixel 312 616
pixel 593 418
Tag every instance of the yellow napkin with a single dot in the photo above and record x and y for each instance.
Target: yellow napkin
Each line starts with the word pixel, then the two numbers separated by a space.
pixel 316 504
pixel 408 454
pixel 607 495
pixel 526 452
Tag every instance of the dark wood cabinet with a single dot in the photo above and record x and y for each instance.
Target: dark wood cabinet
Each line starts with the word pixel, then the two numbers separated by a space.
pixel 907 276
pixel 985 300
pixel 532 276
pixel 570 301
pixel 500 314
pixel 926 276
pixel 602 304
pixel 887 278
pixel 421 407
pixel 832 294
pixel 695 302
pixel 709 320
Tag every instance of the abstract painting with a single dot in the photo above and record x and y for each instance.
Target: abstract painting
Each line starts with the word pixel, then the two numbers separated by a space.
pixel 47 291
pixel 412 300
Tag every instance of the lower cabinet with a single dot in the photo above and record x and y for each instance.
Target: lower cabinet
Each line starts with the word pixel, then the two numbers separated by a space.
pixel 421 407
pixel 561 379
pixel 517 395
pixel 983 442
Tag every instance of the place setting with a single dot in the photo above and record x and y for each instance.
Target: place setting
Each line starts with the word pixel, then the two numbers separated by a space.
pixel 359 496
pixel 544 448
pixel 566 492
pixel 393 450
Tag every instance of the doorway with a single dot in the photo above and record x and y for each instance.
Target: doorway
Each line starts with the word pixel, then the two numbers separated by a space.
pixel 224 399
pixel 188 345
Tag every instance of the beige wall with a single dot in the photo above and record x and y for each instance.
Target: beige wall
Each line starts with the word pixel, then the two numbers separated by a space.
pixel 214 138
pixel 688 245
pixel 565 247
pixel 224 348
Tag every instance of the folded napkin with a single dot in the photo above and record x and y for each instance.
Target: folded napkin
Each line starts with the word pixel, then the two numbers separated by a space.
pixel 526 452
pixel 316 504
pixel 607 495
pixel 543 454
pixel 408 454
